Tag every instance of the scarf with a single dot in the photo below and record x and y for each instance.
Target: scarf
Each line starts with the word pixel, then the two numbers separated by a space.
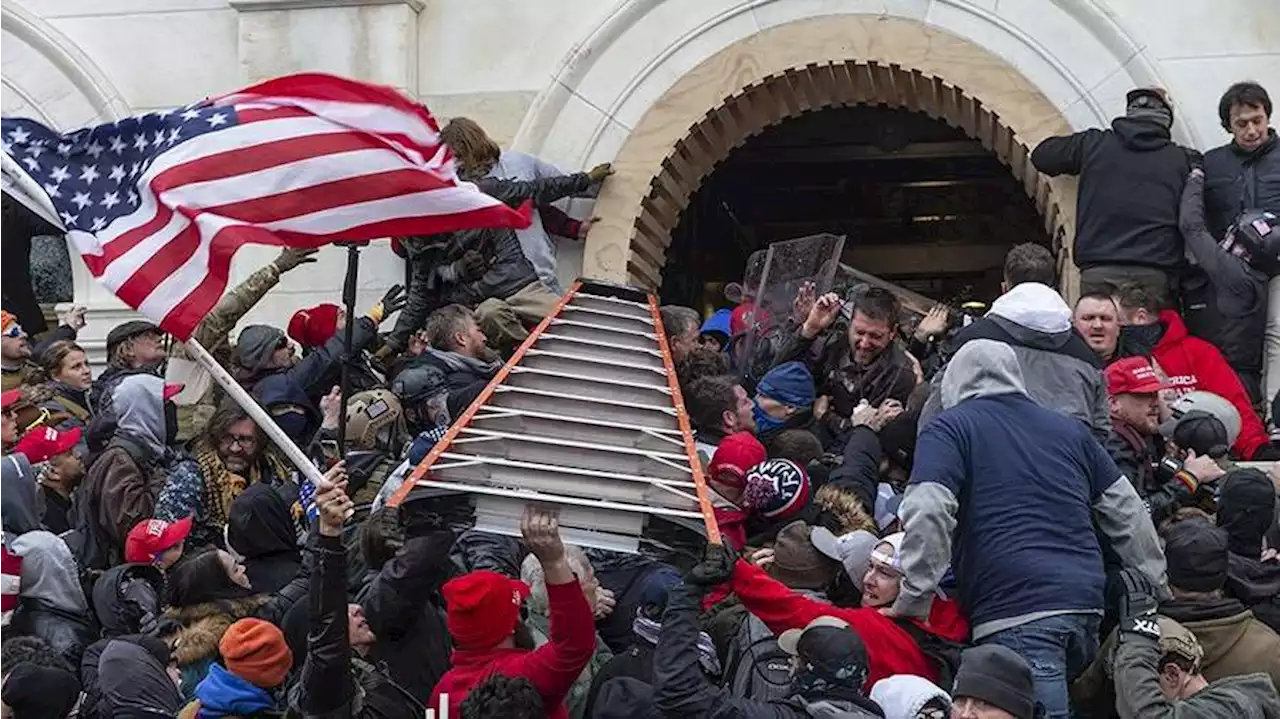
pixel 648 630
pixel 1139 340
pixel 222 486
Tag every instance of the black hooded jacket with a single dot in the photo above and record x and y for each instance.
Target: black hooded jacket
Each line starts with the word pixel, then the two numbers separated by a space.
pixel 260 529
pixel 1131 179
pixel 122 599
pixel 1247 510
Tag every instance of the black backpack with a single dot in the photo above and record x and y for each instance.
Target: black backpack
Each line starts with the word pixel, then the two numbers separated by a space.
pixel 756 667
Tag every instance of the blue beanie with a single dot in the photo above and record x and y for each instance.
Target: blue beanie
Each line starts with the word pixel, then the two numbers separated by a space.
pixel 790 383
pixel 718 322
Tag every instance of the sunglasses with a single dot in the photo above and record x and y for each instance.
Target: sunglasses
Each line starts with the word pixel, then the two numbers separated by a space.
pixel 14 331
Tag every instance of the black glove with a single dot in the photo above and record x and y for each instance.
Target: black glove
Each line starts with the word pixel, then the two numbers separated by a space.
pixel 471 266
pixel 715 568
pixel 1195 159
pixel 394 300
pixel 1137 597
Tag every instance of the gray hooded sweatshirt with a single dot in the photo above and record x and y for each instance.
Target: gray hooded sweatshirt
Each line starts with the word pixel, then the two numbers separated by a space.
pixel 1061 372
pixel 1033 484
pixel 49 571
pixel 139 405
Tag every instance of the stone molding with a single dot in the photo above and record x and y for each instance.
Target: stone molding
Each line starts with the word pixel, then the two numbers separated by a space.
pixel 259 5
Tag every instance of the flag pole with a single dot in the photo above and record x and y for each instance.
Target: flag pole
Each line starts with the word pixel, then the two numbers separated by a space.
pixel 349 302
pixel 260 417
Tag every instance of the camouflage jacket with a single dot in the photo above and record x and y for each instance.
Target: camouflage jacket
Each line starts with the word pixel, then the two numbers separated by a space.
pixel 1138 694
pixel 213 330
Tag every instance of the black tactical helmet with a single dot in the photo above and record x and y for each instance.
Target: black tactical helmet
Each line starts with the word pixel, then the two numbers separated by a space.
pixel 1255 237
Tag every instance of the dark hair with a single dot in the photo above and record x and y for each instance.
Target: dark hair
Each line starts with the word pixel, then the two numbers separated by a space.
pixel 798 445
pixel 201 578
pixel 446 322
pixel 701 362
pixel 229 413
pixel 1134 296
pixel 1246 94
pixel 30 650
pixel 1178 661
pixel 1098 295
pixel 475 152
pixel 878 304
pixel 53 355
pixel 677 319
pixel 1029 262
pixel 709 398
pixel 503 697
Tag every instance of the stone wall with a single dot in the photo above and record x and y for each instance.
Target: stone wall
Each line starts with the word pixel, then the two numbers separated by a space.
pixel 575 80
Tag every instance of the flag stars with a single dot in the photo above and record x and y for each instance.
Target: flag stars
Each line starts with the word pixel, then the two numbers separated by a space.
pixel 133 197
pixel 59 174
pixel 89 174
pixel 69 219
pixel 52 190
pixel 35 150
pixel 81 200
pixel 19 135
pixel 217 119
pixel 98 224
pixel 64 149
pixel 95 148
pixel 117 173
pixel 140 143
pixel 159 138
pixel 173 135
pixel 190 115
pixel 110 200
pixel 32 163
pixel 117 145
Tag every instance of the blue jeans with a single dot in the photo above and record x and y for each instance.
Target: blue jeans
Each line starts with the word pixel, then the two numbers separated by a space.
pixel 1058 648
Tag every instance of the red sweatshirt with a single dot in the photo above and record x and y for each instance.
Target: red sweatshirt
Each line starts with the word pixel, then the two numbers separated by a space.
pixel 890 649
pixel 1191 363
pixel 552 668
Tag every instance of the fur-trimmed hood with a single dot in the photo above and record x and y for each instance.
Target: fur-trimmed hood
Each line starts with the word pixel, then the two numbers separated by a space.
pixel 204 624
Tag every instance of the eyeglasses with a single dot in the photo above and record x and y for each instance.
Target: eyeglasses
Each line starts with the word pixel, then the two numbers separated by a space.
pixel 14 331
pixel 244 441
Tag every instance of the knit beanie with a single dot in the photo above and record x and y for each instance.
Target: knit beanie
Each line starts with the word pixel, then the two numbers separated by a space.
pixel 997 676
pixel 782 486
pixel 6 318
pixel 1196 555
pixel 1246 509
pixel 255 345
pixel 482 608
pixel 313 326
pixel 39 691
pixel 734 457
pixel 255 650
pixel 797 563
pixel 790 383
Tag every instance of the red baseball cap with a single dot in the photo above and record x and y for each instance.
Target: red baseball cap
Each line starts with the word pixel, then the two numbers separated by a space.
pixel 734 457
pixel 43 443
pixel 8 398
pixel 172 390
pixel 1133 375
pixel 152 537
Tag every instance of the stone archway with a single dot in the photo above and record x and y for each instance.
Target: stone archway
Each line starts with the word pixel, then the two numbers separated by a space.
pixel 812 88
pixel 798 67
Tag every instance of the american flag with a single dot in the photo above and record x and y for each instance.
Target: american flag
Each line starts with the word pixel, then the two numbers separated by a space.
pixel 157 205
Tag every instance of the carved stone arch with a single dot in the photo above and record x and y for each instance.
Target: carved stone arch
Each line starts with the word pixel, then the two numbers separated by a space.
pixel 815 87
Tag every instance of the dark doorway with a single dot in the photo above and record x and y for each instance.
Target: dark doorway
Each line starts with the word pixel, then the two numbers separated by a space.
pixel 921 204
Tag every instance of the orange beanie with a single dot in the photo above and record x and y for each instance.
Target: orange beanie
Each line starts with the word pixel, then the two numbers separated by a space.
pixel 6 318
pixel 255 651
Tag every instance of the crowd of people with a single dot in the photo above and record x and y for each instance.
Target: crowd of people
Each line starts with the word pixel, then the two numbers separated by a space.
pixel 1034 511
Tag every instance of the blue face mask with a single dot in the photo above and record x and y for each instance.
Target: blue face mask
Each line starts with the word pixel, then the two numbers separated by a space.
pixel 764 421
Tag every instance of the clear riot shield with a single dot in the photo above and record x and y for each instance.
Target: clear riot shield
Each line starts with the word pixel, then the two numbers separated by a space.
pixel 784 268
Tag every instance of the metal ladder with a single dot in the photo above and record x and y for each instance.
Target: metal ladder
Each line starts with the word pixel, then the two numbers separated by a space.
pixel 587 417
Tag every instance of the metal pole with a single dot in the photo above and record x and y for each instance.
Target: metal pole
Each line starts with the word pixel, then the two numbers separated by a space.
pixel 349 301
pixel 259 415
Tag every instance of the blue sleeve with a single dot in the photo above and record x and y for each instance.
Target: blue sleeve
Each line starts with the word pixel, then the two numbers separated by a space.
pixel 1102 470
pixel 940 455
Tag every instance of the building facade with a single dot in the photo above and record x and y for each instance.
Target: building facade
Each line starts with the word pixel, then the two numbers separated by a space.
pixel 663 89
